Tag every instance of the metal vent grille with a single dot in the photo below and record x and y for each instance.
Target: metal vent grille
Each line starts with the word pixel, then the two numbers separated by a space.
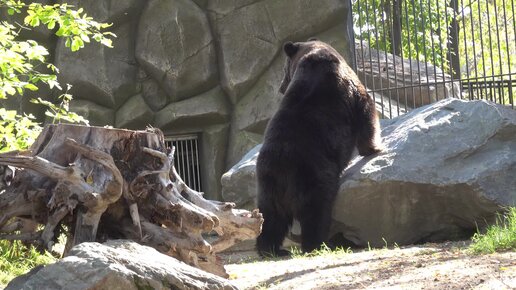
pixel 186 159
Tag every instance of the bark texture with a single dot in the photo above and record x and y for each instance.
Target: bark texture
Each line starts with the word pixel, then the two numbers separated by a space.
pixel 96 184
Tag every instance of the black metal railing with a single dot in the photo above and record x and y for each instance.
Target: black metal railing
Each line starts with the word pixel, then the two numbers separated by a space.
pixel 492 90
pixel 186 159
pixel 410 53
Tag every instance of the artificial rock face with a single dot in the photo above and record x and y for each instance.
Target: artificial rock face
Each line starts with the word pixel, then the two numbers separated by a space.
pixel 325 113
pixel 171 56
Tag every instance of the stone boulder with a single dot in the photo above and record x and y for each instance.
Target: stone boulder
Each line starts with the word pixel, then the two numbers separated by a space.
pixel 120 265
pixel 446 170
pixel 239 183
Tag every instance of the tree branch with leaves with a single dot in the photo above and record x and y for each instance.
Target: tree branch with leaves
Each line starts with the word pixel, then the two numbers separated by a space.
pixel 24 65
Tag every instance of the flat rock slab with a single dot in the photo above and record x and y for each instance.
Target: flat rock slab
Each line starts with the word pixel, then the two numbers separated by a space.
pixel 119 264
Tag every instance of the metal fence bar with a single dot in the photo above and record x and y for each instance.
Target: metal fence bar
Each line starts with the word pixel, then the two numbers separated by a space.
pixel 369 46
pixel 490 49
pixel 186 159
pixel 198 167
pixel 500 94
pixel 409 36
pixel 382 3
pixel 440 46
pixel 511 96
pixel 466 46
pixel 417 55
pixel 474 58
pixel 450 54
pixel 508 51
pixel 378 57
pixel 482 45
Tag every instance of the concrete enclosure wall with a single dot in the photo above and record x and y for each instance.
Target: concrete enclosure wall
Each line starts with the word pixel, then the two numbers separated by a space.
pixel 208 67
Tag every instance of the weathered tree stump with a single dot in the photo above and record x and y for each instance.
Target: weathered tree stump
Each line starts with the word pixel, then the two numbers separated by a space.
pixel 96 184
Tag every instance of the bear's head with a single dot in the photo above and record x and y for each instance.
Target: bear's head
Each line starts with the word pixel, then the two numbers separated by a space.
pixel 309 53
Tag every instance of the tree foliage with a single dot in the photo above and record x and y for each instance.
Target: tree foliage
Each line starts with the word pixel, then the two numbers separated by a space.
pixel 24 65
pixel 489 42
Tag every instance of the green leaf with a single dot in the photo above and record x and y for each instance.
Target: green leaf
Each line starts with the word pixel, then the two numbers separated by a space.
pixel 85 38
pixel 51 24
pixel 60 31
pixel 107 42
pixel 77 43
pixel 31 87
pixel 34 22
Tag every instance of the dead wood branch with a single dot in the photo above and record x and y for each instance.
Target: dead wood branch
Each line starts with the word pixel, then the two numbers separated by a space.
pixel 101 183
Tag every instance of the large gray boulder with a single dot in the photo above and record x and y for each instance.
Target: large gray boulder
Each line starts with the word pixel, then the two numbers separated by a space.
pixel 239 183
pixel 120 264
pixel 447 169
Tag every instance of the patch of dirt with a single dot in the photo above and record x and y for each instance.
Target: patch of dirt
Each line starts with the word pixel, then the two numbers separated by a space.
pixel 430 266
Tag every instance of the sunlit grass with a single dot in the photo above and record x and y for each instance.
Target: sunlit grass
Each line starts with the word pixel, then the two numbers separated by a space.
pixel 16 259
pixel 324 250
pixel 499 237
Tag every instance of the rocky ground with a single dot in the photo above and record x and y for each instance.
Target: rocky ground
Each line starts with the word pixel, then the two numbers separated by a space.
pixel 430 266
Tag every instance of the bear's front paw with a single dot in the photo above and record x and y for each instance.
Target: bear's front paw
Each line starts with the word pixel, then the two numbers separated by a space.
pixel 371 150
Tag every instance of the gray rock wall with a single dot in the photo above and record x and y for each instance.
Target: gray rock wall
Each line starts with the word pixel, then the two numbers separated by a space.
pixel 210 67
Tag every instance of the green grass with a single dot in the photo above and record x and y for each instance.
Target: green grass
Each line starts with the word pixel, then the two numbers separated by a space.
pixel 16 259
pixel 497 238
pixel 324 250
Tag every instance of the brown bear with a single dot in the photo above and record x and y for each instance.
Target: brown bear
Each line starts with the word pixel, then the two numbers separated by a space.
pixel 325 113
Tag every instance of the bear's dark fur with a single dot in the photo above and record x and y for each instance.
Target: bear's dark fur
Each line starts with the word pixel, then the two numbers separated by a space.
pixel 324 115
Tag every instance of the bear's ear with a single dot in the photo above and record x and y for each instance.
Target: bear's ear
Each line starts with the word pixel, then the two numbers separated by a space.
pixel 313 39
pixel 290 48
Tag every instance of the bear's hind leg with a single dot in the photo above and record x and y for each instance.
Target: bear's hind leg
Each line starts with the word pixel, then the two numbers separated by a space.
pixel 315 215
pixel 274 229
pixel 315 225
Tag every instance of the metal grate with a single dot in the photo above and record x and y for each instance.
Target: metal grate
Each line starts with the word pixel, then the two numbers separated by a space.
pixel 414 52
pixel 186 159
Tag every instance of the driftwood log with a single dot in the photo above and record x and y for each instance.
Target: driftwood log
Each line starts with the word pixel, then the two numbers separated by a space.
pixel 95 184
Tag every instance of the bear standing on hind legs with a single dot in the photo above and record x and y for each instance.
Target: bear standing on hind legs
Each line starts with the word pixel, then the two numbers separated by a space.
pixel 325 113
